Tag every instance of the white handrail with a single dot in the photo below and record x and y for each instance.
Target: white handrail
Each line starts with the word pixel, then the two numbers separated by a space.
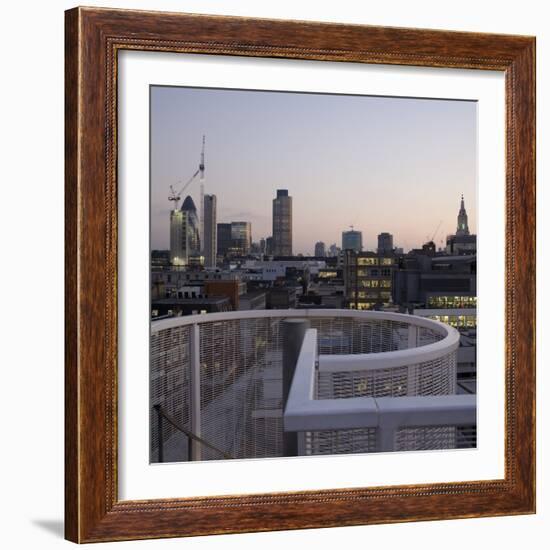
pixel 449 342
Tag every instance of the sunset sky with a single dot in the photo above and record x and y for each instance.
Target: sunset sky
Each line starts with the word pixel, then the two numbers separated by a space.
pixel 377 163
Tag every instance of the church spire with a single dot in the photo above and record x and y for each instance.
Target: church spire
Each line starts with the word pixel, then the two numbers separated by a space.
pixel 462 219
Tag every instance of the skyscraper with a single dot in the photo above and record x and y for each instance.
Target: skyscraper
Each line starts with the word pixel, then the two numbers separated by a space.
pixel 462 220
pixel 320 250
pixel 269 246
pixel 352 240
pixel 210 232
pixel 385 243
pixel 224 238
pixel 333 250
pixel 241 235
pixel 184 233
pixel 177 238
pixel 234 239
pixel 282 224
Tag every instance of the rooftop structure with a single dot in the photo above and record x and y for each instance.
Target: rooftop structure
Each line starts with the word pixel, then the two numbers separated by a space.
pixel 253 384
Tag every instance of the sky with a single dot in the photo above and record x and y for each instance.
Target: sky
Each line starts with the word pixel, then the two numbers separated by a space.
pixel 379 164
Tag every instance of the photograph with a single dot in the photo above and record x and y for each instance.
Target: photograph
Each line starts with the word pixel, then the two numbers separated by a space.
pixel 312 274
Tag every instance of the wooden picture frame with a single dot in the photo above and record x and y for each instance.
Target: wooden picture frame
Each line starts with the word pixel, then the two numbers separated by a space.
pixel 94 37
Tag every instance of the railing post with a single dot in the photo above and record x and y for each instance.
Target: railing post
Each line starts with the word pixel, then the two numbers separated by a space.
pixel 195 365
pixel 412 342
pixel 159 432
pixel 303 448
pixel 387 428
pixel 293 332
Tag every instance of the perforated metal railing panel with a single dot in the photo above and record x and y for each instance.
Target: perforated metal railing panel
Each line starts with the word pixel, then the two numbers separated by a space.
pixel 358 440
pixel 170 388
pixel 430 438
pixel 241 382
pixel 435 377
pixel 345 336
pixel 367 383
pixel 241 387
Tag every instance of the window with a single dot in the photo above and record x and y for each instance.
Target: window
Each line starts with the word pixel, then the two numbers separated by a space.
pixel 385 284
pixel 386 261
pixel 386 272
pixel 452 302
pixel 367 261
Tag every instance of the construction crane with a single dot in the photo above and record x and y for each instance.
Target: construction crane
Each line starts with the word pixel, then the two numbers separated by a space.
pixel 436 230
pixel 175 196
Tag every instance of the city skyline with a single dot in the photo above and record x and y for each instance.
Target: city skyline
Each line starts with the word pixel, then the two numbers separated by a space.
pixel 334 176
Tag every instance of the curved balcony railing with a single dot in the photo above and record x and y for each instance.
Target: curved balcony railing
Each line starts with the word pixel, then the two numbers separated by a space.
pixel 219 375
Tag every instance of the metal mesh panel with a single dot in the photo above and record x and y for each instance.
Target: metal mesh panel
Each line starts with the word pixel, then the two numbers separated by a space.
pixel 170 388
pixel 428 438
pixel 427 336
pixel 436 377
pixel 241 387
pixel 371 383
pixel 344 336
pixel 329 442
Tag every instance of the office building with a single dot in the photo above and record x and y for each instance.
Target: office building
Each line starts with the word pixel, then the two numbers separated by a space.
pixel 224 241
pixel 234 239
pixel 385 243
pixel 334 251
pixel 320 251
pixel 184 233
pixel 177 238
pixel 282 224
pixel 352 240
pixel 436 282
pixel 241 237
pixel 210 230
pixel 368 279
pixel 269 246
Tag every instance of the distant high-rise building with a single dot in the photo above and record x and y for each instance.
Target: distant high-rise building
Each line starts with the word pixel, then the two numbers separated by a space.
pixel 262 246
pixel 224 241
pixel 234 239
pixel 385 243
pixel 282 224
pixel 269 246
pixel 184 233
pixel 462 220
pixel 320 250
pixel 210 230
pixel 241 235
pixel 333 250
pixel 352 240
pixel 178 232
